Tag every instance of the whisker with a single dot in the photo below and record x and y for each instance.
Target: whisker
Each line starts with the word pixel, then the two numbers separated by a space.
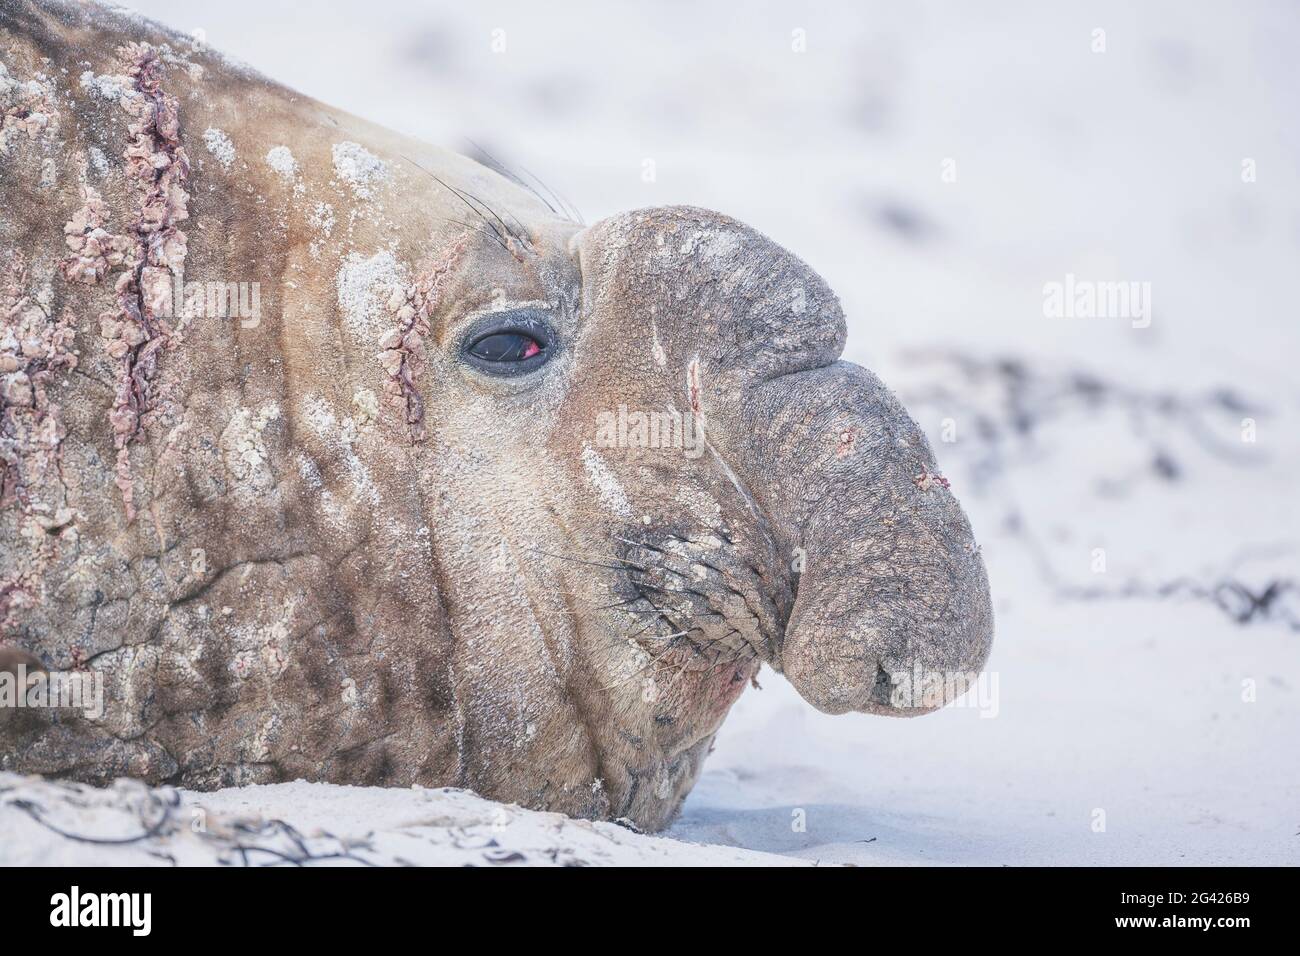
pixel 479 208
pixel 570 211
pixel 566 209
pixel 481 227
pixel 593 564
pixel 479 204
pixel 610 607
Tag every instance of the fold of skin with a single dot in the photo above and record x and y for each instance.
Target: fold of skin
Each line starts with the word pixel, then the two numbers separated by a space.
pixel 323 544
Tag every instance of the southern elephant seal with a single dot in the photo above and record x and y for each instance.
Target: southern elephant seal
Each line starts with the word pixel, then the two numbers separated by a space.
pixel 336 456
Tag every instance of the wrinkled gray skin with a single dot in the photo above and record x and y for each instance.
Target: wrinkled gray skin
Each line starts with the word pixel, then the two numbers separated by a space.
pixel 329 546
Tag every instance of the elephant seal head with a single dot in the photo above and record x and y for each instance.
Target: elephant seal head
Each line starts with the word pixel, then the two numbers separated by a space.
pixel 481 496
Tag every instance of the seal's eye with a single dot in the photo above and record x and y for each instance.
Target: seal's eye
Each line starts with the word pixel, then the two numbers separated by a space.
pixel 505 347
pixel 510 343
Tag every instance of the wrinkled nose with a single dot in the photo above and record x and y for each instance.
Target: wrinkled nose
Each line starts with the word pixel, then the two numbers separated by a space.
pixel 892 612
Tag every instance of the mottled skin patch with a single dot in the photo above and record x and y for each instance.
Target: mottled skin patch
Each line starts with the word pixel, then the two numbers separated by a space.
pixel 367 561
pixel 36 348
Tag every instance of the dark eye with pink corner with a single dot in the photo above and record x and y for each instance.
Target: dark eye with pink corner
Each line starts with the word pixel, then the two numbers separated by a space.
pixel 512 343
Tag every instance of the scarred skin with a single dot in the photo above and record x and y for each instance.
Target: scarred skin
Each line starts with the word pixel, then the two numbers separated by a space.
pixel 325 545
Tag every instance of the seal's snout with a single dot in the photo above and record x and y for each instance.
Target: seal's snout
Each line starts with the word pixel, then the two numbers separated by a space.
pixel 892 612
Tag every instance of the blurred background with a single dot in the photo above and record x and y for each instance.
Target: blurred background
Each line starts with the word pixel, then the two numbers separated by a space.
pixel 1132 483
